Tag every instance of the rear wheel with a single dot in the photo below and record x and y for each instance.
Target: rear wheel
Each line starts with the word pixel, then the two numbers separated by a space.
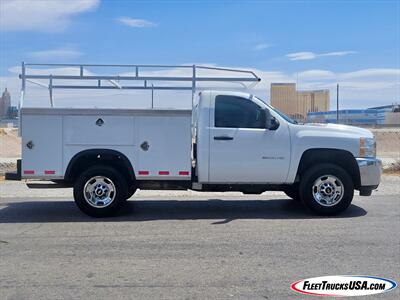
pixel 326 189
pixel 100 191
pixel 130 192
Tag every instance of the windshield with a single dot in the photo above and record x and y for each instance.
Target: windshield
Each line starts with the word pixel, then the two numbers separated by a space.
pixel 287 118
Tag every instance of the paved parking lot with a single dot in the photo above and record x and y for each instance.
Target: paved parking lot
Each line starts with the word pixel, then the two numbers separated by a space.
pixel 191 247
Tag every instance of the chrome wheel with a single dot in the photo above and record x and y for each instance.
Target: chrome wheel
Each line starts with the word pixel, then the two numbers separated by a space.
pixel 99 191
pixel 328 190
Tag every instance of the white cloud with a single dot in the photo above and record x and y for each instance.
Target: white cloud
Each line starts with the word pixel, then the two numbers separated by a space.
pixel 54 71
pixel 43 15
pixel 369 79
pixel 261 46
pixel 301 56
pixel 135 22
pixel 373 80
pixel 64 53
pixel 376 85
pixel 312 55
pixel 337 53
pixel 312 74
pixel 373 72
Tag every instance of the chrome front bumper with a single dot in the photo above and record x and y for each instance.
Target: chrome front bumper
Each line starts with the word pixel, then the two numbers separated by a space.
pixel 370 171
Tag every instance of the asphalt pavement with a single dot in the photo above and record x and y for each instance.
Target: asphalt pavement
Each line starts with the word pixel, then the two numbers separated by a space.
pixel 232 247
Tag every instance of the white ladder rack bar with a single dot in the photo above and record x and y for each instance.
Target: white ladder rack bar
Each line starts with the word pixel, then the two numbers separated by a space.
pixel 246 77
pixel 106 87
pixel 154 78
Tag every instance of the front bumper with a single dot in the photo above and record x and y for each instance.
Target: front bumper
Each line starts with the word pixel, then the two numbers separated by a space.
pixel 370 173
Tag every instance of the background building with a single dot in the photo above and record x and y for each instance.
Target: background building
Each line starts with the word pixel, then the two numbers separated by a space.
pixel 349 116
pixel 12 112
pixel 283 97
pixel 5 103
pixel 297 104
pixel 382 115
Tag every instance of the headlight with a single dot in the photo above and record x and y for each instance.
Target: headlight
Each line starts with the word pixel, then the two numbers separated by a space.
pixel 367 147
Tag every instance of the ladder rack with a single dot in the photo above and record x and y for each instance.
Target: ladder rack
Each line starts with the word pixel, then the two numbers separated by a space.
pixel 132 73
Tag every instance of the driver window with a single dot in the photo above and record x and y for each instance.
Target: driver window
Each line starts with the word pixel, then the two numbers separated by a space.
pixel 237 112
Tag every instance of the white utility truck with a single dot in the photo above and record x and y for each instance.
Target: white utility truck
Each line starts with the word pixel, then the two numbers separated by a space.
pixel 229 141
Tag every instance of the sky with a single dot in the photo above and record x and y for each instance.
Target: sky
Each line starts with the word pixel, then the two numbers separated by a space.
pixel 316 44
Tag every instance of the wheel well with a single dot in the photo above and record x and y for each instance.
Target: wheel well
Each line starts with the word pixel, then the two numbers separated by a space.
pixel 341 158
pixel 88 158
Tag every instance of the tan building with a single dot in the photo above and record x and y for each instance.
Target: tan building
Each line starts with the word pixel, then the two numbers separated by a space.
pixel 297 104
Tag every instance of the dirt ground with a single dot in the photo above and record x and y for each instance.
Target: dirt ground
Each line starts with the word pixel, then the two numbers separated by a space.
pixel 10 143
pixel 387 142
pixel 10 149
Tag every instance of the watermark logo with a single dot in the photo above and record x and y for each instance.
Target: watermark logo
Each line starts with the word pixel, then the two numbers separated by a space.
pixel 343 285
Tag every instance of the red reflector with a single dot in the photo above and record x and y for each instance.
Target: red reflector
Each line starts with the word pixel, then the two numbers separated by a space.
pixel 143 172
pixel 183 173
pixel 29 172
pixel 49 172
pixel 163 173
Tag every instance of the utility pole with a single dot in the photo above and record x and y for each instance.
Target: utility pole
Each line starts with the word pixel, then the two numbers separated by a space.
pixel 337 103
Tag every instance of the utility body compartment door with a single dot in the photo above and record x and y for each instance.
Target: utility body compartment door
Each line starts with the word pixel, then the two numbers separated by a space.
pixel 241 149
pixel 164 144
pixel 41 146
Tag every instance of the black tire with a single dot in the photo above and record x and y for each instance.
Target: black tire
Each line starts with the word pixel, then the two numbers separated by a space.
pixel 131 191
pixel 119 194
pixel 306 189
pixel 293 192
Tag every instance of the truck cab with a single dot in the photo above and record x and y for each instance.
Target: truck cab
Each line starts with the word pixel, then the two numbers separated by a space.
pixel 242 140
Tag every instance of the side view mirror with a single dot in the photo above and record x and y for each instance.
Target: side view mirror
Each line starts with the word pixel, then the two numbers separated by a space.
pixel 271 122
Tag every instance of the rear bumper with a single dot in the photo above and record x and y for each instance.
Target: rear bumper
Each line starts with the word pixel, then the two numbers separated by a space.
pixel 370 172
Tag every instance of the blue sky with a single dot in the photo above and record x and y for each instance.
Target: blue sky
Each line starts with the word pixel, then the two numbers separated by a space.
pixel 318 43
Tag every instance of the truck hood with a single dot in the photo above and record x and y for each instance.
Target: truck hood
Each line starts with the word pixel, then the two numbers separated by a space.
pixel 327 136
pixel 338 128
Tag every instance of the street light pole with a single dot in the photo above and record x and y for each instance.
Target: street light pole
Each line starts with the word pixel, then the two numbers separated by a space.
pixel 337 103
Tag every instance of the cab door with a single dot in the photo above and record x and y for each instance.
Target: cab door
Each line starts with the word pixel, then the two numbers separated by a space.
pixel 242 150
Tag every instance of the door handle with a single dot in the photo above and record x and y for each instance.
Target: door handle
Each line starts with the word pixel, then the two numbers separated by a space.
pixel 223 138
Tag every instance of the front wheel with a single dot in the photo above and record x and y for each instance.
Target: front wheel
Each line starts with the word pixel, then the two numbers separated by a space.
pixel 292 191
pixel 100 191
pixel 326 189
